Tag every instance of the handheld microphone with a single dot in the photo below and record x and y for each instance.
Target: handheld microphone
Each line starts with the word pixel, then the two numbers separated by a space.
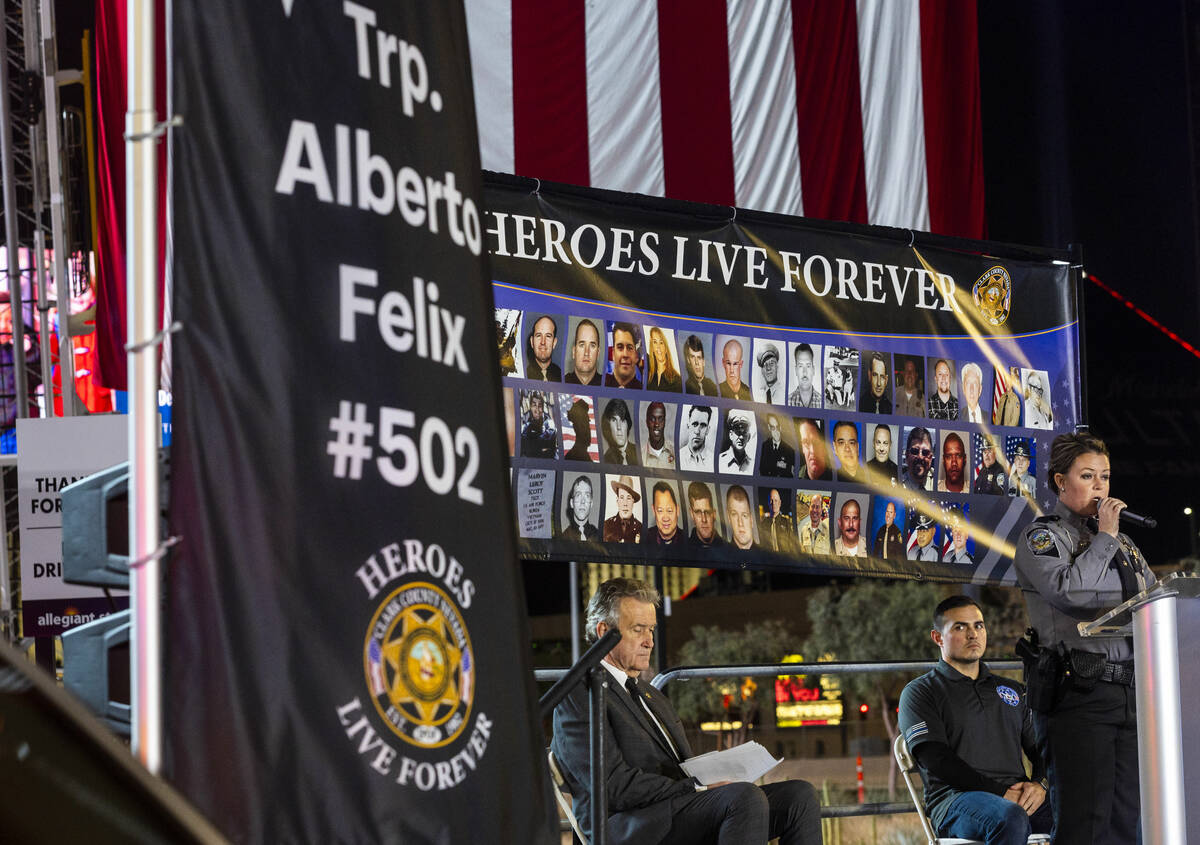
pixel 1135 518
pixel 1138 519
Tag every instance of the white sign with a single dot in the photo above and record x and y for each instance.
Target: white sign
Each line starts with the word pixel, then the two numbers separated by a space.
pixel 53 453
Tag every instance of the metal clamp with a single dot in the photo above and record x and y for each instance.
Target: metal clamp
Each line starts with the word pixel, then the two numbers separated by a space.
pixel 158 131
pixel 156 554
pixel 154 339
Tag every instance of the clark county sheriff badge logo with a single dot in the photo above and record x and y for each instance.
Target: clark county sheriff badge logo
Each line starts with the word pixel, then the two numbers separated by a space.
pixel 419 664
pixel 993 295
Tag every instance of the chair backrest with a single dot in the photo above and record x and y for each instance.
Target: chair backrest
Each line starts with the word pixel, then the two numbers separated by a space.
pixel 908 770
pixel 563 795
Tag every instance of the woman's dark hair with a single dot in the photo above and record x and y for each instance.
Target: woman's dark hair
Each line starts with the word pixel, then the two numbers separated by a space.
pixel 1066 448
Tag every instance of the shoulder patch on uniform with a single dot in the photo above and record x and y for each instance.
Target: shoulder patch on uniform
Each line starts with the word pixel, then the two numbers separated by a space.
pixel 1041 542
pixel 1045 519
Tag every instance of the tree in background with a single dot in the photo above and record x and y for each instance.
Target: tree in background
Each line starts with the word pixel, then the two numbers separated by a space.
pixel 730 700
pixel 872 621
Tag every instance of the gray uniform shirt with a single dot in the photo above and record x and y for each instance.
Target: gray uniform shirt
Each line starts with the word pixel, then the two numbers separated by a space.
pixel 1068 573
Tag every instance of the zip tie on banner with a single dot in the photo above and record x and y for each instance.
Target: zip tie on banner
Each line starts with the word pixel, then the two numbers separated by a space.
pixel 158 131
pixel 155 339
pixel 156 554
pixel 538 188
pixel 733 219
pixel 912 238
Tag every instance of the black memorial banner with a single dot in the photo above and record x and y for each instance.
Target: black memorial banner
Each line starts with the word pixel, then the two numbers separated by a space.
pixel 700 385
pixel 348 656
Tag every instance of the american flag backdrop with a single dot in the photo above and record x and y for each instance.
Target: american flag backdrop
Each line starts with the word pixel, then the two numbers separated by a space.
pixel 864 111
pixel 567 427
pixel 977 452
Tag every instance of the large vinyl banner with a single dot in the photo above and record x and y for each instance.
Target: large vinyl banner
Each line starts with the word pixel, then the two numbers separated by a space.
pixel 347 658
pixel 698 385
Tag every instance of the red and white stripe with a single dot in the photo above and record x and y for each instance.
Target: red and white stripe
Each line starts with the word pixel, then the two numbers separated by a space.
pixel 998 392
pixel 858 110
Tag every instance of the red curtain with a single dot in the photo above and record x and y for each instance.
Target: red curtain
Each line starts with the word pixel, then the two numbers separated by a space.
pixel 110 171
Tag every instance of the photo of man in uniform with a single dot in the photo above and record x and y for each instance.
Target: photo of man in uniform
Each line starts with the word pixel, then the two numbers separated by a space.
pixel 956 550
pixel 1037 400
pixel 1019 481
pixel 876 398
pixel 702 509
pixel 954 463
pixel 778 457
pixel 698 382
pixel 849 542
pixel 657 451
pixel 543 341
pixel 586 354
pixel 806 386
pixel 990 477
pixel 841 371
pixel 616 425
pixel 918 459
pixel 775 530
pixel 889 543
pixel 972 392
pixel 920 540
pixel 881 469
pixel 738 457
pixel 539 437
pixel 665 507
pixel 626 356
pixel 739 513
pixel 1008 409
pixel 845 449
pixel 816 466
pixel 943 404
pixel 910 390
pixel 623 526
pixel 579 524
pixel 768 378
pixel 733 359
pixel 699 438
pixel 814 528
pixel 579 416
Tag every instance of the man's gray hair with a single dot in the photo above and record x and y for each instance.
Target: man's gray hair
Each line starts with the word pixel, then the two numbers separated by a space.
pixel 972 367
pixel 605 603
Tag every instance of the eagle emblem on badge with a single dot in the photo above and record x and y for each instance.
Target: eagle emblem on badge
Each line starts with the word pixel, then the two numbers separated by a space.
pixel 993 295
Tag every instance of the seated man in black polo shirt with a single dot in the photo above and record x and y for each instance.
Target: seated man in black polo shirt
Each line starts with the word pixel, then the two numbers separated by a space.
pixel 966 728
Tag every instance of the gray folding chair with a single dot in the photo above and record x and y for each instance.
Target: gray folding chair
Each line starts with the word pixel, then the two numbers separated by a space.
pixel 908 770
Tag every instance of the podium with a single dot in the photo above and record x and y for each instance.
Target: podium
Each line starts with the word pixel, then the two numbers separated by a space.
pixel 1164 622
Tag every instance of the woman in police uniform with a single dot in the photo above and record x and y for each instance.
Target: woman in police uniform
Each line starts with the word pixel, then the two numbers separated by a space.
pixel 1073 565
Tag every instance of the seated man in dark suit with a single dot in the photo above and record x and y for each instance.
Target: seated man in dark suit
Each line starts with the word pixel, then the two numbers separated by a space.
pixel 650 799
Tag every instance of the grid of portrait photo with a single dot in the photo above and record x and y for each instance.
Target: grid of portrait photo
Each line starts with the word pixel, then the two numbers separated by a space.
pixel 661 436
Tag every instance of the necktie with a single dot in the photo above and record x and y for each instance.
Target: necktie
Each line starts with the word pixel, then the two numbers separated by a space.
pixel 635 691
pixel 768 396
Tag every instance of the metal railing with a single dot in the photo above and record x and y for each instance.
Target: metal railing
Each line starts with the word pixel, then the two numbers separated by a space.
pixel 687 673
